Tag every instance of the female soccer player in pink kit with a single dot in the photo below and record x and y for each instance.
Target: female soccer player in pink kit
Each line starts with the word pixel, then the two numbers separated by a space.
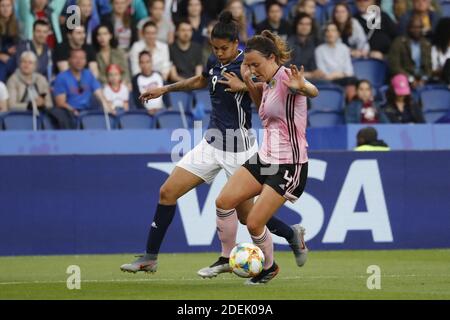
pixel 279 170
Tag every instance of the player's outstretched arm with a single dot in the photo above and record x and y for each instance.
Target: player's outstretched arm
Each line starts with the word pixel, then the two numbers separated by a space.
pixel 193 83
pixel 298 84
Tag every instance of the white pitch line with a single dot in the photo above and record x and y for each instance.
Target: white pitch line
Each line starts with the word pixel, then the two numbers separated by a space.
pixel 222 279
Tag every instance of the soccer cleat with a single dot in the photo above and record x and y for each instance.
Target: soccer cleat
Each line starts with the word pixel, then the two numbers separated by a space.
pixel 222 265
pixel 298 245
pixel 143 263
pixel 265 275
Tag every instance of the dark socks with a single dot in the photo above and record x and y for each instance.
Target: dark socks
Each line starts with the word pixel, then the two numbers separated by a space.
pixel 161 222
pixel 280 229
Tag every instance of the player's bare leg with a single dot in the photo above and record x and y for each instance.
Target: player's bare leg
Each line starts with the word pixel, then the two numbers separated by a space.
pixel 227 220
pixel 177 184
pixel 264 208
pixel 296 242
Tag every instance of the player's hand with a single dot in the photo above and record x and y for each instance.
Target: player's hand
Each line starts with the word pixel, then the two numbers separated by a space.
pixel 296 78
pixel 248 79
pixel 152 93
pixel 233 82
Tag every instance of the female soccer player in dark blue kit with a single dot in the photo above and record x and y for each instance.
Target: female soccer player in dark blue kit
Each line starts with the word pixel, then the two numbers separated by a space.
pixel 227 144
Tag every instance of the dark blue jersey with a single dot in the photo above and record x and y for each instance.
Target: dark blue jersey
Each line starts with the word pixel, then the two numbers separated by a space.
pixel 231 112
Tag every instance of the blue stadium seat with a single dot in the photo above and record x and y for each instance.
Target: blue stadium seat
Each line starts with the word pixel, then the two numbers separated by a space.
pixel 203 96
pixel 95 120
pixel 256 121
pixel 46 123
pixel 18 121
pixel 329 99
pixel 325 118
pixel 136 120
pixel 259 12
pixel 445 7
pixel 370 69
pixel 173 119
pixel 131 104
pixel 435 103
pixel 185 98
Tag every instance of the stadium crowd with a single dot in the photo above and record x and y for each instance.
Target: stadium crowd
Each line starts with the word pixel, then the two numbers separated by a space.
pixel 123 47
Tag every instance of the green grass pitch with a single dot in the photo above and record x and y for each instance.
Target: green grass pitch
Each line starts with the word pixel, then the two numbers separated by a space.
pixel 405 274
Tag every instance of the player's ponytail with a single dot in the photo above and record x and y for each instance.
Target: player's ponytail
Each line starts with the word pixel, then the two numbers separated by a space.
pixel 267 44
pixel 227 28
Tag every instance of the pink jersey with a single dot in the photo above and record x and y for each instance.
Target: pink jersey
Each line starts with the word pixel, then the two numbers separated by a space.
pixel 283 115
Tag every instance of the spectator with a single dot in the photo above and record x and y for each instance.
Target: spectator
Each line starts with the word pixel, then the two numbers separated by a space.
pixel 74 89
pixel 379 39
pixel 411 55
pixel 422 9
pixel 388 7
pixel 185 55
pixel 38 45
pixel 103 7
pixel 89 16
pixel 364 109
pixel 352 34
pixel 107 54
pixel 237 9
pixel 4 96
pixel 303 6
pixel 138 9
pixel 400 8
pixel 171 9
pixel 333 58
pixel 27 87
pixel 367 140
pixel 88 19
pixel 75 40
pixel 31 10
pixel 400 106
pixel 274 21
pixel 121 21
pixel 303 47
pixel 145 80
pixel 308 7
pixel 9 37
pixel 115 91
pixel 199 21
pixel 159 51
pixel 440 52
pixel 165 26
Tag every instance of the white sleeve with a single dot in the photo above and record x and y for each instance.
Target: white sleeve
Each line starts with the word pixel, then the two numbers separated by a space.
pixel 360 36
pixel 3 92
pixel 166 63
pixel 434 58
pixel 134 58
pixel 319 59
pixel 348 66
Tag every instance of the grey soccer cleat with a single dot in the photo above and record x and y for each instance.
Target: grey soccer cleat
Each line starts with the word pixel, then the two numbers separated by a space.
pixel 146 263
pixel 298 245
pixel 265 276
pixel 220 266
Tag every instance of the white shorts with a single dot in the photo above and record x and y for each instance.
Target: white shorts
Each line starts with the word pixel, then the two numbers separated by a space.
pixel 205 161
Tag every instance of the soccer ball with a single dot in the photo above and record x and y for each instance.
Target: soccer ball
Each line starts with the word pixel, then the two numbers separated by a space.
pixel 246 260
